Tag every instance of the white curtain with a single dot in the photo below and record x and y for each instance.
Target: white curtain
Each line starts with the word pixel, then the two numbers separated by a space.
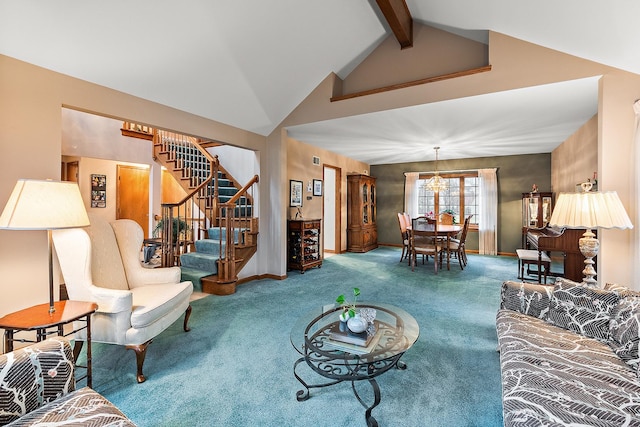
pixel 411 193
pixel 636 189
pixel 488 225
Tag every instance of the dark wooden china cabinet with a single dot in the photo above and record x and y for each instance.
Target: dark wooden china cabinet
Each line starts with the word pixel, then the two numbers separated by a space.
pixel 362 233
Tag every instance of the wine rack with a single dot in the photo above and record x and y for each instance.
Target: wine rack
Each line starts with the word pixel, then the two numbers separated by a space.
pixel 304 244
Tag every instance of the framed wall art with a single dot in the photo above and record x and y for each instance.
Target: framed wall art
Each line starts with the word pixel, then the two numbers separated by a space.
pixel 98 191
pixel 295 193
pixel 317 187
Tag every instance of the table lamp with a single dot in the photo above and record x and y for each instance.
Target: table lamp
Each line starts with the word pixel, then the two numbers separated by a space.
pixel 44 205
pixel 589 210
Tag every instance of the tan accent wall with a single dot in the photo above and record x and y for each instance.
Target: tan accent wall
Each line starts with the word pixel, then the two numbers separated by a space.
pixel 576 159
pixel 300 167
pixel 616 170
pixel 434 53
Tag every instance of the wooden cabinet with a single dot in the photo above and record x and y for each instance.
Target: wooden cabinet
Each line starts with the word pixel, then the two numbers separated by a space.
pixel 362 232
pixel 304 248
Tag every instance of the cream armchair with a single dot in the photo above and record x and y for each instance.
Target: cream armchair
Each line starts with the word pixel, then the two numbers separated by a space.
pixel 101 263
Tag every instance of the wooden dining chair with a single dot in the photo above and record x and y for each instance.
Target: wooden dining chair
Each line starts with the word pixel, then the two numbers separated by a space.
pixel 402 223
pixel 424 242
pixel 446 218
pixel 457 245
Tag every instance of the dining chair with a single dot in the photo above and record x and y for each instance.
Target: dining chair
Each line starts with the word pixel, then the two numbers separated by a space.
pixel 446 218
pixel 407 219
pixel 404 234
pixel 457 245
pixel 424 242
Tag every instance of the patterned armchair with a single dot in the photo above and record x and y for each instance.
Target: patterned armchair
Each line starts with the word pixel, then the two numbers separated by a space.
pixel 37 387
pixel 101 264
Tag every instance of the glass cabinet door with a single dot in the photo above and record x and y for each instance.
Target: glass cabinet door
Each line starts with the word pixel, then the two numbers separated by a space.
pixel 536 209
pixel 364 193
pixel 546 211
pixel 373 204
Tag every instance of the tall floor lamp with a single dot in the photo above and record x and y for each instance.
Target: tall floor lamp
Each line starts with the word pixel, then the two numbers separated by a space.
pixel 589 210
pixel 44 205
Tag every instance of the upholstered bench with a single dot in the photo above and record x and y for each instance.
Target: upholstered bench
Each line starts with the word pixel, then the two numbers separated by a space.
pixel 526 257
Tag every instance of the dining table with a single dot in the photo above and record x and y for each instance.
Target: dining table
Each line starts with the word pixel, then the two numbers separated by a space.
pixel 448 231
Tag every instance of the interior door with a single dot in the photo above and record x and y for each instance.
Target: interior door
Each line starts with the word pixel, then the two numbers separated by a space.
pixel 331 210
pixel 71 173
pixel 132 194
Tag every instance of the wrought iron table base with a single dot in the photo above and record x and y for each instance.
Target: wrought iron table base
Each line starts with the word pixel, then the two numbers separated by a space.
pixel 302 395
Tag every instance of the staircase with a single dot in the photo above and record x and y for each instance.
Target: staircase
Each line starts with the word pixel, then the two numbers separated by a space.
pixel 212 233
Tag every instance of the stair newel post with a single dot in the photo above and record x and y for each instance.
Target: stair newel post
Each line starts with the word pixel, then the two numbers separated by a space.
pixel 227 263
pixel 167 236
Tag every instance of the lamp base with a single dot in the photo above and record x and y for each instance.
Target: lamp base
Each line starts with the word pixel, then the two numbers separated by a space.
pixel 589 247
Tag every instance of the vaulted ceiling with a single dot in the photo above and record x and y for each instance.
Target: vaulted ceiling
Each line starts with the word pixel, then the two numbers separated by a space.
pixel 249 63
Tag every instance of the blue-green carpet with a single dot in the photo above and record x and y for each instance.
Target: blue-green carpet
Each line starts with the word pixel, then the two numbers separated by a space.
pixel 235 366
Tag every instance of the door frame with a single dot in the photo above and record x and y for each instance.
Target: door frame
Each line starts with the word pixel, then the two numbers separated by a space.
pixel 338 207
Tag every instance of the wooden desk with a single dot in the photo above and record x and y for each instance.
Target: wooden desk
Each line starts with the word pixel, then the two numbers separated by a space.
pixel 38 319
pixel 444 230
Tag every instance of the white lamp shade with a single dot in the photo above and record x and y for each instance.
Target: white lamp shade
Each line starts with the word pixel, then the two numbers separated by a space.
pixel 590 210
pixel 44 205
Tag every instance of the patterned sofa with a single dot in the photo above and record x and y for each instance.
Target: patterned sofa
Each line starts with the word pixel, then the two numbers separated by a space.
pixel 37 387
pixel 569 355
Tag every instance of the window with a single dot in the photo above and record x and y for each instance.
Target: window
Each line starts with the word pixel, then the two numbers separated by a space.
pixel 461 196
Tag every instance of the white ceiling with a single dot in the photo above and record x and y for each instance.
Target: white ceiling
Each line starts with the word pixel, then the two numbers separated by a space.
pixel 249 63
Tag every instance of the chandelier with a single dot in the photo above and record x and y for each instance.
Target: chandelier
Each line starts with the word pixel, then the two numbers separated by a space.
pixel 436 183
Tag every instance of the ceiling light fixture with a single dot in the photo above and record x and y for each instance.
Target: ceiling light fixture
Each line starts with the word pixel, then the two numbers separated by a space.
pixel 436 183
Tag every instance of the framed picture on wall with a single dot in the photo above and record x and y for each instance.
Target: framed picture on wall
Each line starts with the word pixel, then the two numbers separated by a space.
pixel 98 191
pixel 317 187
pixel 295 193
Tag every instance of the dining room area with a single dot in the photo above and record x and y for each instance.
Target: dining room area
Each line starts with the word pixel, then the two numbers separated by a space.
pixel 435 239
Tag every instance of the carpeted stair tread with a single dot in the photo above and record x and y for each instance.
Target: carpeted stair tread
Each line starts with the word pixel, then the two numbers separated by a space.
pixel 200 261
pixel 209 246
pixel 221 233
pixel 193 274
pixel 227 191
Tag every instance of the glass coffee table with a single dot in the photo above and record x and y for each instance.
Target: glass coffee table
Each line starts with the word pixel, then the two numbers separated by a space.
pixel 392 332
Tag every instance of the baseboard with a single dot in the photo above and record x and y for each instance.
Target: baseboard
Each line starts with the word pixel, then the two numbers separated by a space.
pixel 260 276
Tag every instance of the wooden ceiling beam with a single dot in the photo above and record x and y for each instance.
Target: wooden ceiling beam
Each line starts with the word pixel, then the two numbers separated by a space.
pixel 399 18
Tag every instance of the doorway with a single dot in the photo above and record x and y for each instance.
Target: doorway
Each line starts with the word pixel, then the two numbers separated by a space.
pixel 71 171
pixel 331 209
pixel 132 195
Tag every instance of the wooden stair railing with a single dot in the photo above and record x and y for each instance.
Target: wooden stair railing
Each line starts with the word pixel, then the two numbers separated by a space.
pixel 189 219
pixel 237 213
pixel 185 221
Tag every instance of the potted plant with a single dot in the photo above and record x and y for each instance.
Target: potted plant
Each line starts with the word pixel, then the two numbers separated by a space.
pixel 348 308
pixel 180 226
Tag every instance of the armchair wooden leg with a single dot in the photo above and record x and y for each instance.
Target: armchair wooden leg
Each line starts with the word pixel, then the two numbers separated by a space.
pixel 77 347
pixel 141 352
pixel 187 314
